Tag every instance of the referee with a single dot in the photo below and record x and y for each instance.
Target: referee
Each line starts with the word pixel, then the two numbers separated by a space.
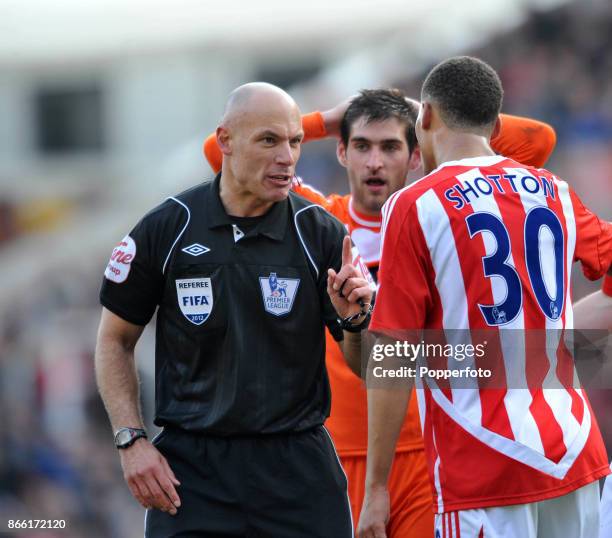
pixel 244 275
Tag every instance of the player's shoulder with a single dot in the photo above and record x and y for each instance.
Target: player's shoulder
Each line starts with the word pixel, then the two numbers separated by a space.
pixel 335 203
pixel 193 196
pixel 404 199
pixel 304 208
pixel 338 206
pixel 539 177
pixel 449 172
pixel 175 210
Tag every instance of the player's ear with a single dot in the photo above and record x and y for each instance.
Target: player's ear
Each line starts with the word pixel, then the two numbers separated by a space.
pixel 415 159
pixel 224 140
pixel 341 153
pixel 496 127
pixel 426 115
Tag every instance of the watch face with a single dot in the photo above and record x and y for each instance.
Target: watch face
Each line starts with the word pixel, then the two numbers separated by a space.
pixel 123 437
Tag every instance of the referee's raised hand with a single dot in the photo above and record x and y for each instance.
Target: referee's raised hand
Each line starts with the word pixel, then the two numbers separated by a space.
pixel 149 477
pixel 348 288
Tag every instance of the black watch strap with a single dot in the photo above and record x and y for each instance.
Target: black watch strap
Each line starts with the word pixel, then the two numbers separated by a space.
pixel 365 315
pixel 125 437
pixel 349 327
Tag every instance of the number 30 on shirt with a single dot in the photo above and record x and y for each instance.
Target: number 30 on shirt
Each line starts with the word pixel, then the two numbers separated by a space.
pixel 497 264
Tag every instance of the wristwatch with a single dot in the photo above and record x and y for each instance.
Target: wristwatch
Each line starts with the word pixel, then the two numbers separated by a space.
pixel 125 437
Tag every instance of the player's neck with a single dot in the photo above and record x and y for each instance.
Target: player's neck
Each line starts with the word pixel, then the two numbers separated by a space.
pixel 357 209
pixel 454 146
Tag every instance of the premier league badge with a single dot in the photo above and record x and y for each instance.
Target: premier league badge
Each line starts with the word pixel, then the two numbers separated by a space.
pixel 195 298
pixel 278 293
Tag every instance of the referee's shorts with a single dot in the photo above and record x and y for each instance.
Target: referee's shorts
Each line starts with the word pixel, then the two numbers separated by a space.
pixel 273 486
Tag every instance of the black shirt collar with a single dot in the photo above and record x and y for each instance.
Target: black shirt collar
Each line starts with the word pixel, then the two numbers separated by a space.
pixel 273 224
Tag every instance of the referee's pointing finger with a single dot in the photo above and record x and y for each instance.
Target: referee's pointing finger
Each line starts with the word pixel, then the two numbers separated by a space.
pixel 347 270
pixel 347 254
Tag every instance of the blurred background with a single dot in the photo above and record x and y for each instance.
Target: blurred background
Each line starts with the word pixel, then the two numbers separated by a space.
pixel 103 110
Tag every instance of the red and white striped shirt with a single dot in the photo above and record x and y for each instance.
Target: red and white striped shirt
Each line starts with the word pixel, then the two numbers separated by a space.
pixel 486 245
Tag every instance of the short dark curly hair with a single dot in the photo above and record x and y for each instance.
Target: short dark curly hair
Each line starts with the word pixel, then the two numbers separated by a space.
pixel 467 91
pixel 381 105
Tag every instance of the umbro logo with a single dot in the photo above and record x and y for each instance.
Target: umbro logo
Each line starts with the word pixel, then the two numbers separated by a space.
pixel 196 249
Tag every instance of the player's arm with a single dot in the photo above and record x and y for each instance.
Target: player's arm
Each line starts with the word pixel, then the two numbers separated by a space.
pixel 524 140
pixel 400 314
pixel 351 349
pixel 593 238
pixel 146 471
pixel 386 414
pixel 314 125
pixel 332 119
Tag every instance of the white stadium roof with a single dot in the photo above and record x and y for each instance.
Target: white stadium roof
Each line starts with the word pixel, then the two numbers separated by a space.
pixel 35 31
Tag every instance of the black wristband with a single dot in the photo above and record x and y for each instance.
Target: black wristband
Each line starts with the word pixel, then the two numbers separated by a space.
pixel 349 327
pixel 366 312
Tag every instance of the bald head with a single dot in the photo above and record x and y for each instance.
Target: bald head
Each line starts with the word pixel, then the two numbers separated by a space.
pixel 258 98
pixel 260 137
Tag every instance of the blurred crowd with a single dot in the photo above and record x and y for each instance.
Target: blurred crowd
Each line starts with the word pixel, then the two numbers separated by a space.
pixel 57 459
pixel 557 68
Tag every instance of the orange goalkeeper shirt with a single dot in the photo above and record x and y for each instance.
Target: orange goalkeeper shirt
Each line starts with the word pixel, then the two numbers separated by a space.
pixel 522 139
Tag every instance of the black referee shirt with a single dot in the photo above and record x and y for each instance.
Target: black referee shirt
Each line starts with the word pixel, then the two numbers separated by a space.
pixel 240 346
